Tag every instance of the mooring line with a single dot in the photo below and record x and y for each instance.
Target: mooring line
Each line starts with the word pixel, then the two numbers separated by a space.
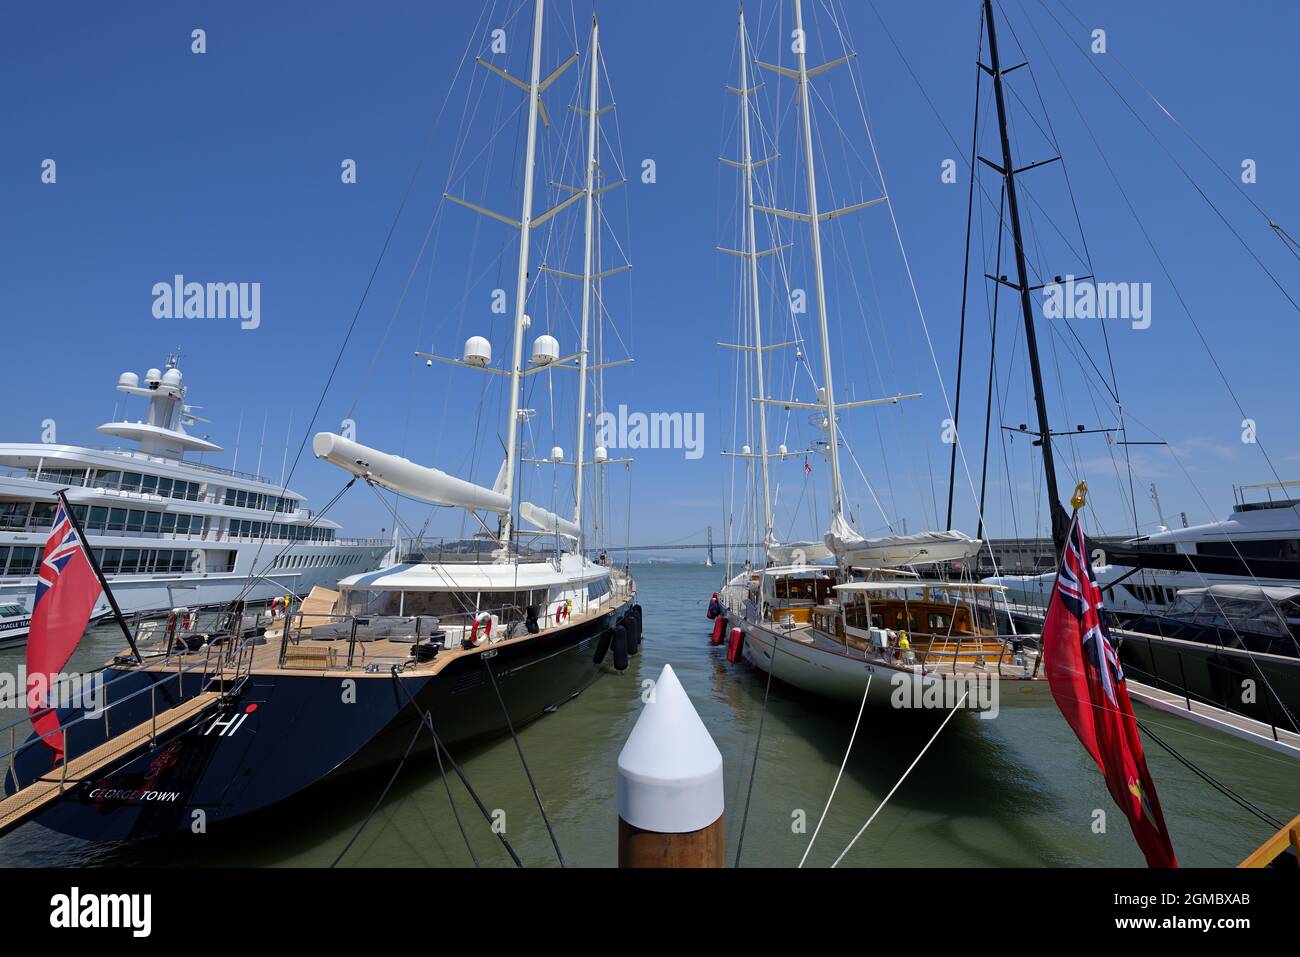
pixel 903 778
pixel 382 795
pixel 522 760
pixel 427 720
pixel 753 768
pixel 843 763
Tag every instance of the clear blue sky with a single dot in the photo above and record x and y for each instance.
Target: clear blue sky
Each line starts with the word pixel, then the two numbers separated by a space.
pixel 225 167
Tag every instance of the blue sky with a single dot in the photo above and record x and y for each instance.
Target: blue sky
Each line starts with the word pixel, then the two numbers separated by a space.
pixel 226 167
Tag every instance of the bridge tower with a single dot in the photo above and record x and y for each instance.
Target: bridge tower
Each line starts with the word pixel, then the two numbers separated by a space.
pixel 710 561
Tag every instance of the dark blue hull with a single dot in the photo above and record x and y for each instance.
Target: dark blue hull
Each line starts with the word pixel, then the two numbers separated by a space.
pixel 278 734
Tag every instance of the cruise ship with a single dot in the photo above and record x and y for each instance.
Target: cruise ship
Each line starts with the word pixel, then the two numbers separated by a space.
pixel 169 532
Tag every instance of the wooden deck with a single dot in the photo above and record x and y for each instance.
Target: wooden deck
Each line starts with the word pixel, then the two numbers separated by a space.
pixel 26 803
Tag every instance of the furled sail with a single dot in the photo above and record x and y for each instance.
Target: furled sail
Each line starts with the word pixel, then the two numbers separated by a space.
pixel 893 551
pixel 796 553
pixel 548 521
pixel 404 476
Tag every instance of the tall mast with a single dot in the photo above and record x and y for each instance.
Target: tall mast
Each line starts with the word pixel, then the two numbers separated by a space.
pixel 521 285
pixel 1060 521
pixel 751 251
pixel 586 272
pixel 828 390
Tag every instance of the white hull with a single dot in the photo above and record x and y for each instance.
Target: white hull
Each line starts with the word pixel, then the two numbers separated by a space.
pixel 842 675
pixel 1150 591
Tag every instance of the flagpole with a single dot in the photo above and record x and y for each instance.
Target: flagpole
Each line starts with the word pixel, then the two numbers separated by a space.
pixel 94 565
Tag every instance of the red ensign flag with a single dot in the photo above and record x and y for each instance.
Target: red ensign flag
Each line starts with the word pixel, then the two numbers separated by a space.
pixel 66 592
pixel 1088 685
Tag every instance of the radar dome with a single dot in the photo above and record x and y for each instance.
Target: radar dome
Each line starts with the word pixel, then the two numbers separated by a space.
pixel 128 380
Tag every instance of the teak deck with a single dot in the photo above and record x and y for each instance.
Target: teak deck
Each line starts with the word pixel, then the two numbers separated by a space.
pixel 25 803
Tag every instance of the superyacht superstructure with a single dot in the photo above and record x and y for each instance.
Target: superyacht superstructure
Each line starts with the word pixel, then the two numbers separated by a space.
pixel 168 531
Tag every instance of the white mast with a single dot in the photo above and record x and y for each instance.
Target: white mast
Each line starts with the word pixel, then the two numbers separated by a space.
pixel 752 252
pixel 586 273
pixel 521 285
pixel 828 389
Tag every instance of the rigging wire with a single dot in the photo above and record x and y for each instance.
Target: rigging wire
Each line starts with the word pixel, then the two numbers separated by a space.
pixel 1196 186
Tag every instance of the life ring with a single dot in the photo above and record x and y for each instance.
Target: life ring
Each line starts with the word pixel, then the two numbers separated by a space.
pixel 484 619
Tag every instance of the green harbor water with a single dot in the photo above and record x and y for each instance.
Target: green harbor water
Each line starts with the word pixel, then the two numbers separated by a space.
pixel 1013 791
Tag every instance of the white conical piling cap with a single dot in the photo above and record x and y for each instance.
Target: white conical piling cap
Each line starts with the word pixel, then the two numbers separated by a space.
pixel 670 771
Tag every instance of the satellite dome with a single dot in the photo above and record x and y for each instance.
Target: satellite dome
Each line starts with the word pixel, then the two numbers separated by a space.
pixel 545 350
pixel 478 351
pixel 557 455
pixel 128 380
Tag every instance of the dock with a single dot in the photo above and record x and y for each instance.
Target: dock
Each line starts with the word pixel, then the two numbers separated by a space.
pixel 1229 722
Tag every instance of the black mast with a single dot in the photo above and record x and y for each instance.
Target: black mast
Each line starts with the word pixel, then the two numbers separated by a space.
pixel 94 564
pixel 1060 520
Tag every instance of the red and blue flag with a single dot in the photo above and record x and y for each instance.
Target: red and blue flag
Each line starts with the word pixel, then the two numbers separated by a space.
pixel 1084 672
pixel 66 591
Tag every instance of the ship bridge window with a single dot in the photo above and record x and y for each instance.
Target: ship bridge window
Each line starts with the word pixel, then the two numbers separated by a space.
pixel 150 484
pixel 242 498
pixel 439 603
pixel 60 476
pixel 14 514
pixel 22 560
pixel 1280 548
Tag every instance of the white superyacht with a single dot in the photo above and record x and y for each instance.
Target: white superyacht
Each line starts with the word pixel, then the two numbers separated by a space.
pixel 168 531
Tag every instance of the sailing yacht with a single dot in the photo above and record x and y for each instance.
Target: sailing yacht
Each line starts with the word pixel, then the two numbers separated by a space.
pixel 847 617
pixel 468 639
pixel 168 531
